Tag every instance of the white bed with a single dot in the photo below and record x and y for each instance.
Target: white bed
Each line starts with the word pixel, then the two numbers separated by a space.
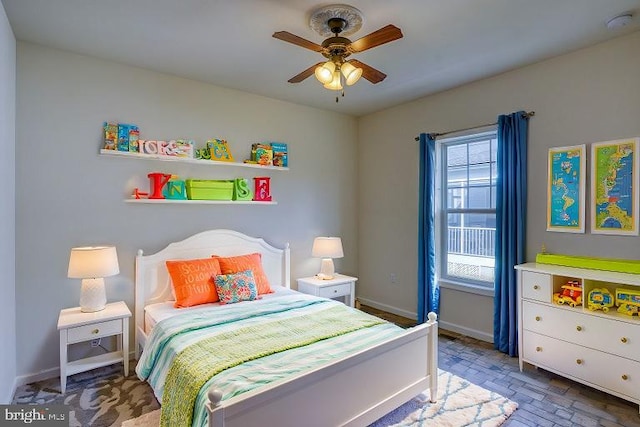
pixel 353 390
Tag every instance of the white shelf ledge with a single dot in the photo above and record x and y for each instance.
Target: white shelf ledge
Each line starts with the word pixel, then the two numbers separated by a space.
pixel 140 156
pixel 198 202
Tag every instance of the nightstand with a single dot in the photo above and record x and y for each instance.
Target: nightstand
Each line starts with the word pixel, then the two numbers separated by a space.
pixel 76 326
pixel 339 286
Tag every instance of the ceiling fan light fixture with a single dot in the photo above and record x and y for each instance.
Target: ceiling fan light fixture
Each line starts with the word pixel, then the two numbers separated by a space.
pixel 324 73
pixel 351 73
pixel 335 83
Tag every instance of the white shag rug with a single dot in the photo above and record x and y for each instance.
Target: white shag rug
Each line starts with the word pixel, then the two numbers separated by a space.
pixel 459 404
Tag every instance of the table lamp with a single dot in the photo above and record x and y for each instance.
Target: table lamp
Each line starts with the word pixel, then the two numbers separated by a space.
pixel 92 264
pixel 327 248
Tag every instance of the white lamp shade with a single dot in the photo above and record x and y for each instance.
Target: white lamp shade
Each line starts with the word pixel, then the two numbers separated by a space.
pixel 351 74
pixel 327 247
pixel 334 84
pixel 324 72
pixel 93 262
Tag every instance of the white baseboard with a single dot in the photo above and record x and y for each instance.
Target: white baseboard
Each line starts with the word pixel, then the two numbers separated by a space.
pixel 49 373
pixel 38 376
pixel 388 308
pixel 463 330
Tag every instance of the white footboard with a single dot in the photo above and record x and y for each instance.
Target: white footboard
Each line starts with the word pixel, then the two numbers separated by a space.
pixel 354 391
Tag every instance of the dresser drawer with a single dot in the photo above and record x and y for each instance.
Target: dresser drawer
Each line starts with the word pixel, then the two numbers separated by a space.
pixel 536 286
pixel 95 330
pixel 597 332
pixel 335 290
pixel 610 373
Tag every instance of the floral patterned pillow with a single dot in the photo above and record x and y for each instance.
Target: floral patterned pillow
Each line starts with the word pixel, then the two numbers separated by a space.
pixel 236 287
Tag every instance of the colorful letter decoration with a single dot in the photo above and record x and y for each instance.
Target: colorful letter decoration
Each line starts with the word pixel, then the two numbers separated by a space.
pixel 262 189
pixel 219 150
pixel 241 190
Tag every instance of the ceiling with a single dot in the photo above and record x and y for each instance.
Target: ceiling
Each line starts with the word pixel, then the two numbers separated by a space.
pixel 229 43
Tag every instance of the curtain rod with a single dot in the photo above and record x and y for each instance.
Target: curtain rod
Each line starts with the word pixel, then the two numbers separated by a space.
pixel 528 114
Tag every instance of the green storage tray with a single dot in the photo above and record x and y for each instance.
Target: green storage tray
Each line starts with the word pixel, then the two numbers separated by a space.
pixel 209 189
pixel 608 264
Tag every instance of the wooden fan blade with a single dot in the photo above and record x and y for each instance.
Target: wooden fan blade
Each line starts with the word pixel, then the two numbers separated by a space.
pixel 383 35
pixel 368 72
pixel 298 41
pixel 306 73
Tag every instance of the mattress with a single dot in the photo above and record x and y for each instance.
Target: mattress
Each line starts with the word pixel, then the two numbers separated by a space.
pixel 154 313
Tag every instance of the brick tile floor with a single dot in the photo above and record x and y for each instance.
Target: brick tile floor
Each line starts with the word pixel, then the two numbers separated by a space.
pixel 544 398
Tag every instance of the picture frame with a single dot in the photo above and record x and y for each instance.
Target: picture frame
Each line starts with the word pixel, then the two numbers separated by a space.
pixel 566 188
pixel 615 187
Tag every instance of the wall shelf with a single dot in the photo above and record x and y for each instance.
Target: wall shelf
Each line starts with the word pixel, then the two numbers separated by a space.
pixel 140 156
pixel 198 202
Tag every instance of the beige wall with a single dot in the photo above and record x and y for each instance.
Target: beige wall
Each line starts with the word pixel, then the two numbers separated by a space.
pixel 587 96
pixel 67 195
pixel 7 208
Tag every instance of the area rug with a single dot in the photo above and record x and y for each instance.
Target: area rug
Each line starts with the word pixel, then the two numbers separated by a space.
pixel 460 403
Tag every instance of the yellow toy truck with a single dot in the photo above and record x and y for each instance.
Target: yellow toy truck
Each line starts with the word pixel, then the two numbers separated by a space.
pixel 600 299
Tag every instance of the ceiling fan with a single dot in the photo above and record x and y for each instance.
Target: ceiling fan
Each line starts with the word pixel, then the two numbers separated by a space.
pixel 338 21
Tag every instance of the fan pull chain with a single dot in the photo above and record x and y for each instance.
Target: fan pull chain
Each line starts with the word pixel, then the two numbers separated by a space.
pixel 341 84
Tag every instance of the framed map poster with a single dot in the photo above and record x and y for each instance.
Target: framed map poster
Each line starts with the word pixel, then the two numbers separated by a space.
pixel 566 189
pixel 614 187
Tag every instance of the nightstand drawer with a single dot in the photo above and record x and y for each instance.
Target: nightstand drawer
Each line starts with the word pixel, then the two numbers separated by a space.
pixel 96 330
pixel 335 290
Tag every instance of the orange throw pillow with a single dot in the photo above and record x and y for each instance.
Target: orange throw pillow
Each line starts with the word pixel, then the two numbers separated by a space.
pixel 253 262
pixel 193 281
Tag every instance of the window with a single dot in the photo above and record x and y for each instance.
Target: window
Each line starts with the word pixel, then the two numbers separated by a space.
pixel 467 214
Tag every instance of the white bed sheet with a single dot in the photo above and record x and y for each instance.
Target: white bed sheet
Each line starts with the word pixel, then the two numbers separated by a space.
pixel 154 313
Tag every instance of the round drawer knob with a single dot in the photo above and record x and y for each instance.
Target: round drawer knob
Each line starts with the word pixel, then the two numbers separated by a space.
pixel 578 328
pixel 625 377
pixel 538 348
pixel 95 331
pixel 538 318
pixel 335 291
pixel 536 287
pixel 623 340
pixel 579 361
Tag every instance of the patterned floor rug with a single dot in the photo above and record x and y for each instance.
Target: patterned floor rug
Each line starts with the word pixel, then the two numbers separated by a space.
pixel 460 403
pixel 105 398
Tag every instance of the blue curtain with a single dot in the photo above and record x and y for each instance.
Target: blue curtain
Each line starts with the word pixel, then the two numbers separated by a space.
pixel 511 220
pixel 428 292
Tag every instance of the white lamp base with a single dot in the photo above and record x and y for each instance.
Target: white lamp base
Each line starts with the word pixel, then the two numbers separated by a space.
pixel 327 270
pixel 92 295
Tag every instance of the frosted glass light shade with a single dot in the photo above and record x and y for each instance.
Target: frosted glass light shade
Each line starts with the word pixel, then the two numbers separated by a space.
pixel 92 264
pixel 324 72
pixel 351 74
pixel 335 84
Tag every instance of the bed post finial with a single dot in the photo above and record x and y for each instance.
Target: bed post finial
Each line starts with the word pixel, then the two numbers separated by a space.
pixel 140 252
pixel 215 396
pixel 432 317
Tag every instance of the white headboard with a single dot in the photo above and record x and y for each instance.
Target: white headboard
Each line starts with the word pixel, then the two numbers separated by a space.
pixel 152 279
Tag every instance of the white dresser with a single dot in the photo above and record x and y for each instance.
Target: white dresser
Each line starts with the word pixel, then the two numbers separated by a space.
pixel 597 348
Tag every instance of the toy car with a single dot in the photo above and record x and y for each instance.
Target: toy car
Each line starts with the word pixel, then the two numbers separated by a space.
pixel 600 299
pixel 628 301
pixel 571 294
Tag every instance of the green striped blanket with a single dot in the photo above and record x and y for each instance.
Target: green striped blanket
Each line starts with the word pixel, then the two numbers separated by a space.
pixel 197 363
